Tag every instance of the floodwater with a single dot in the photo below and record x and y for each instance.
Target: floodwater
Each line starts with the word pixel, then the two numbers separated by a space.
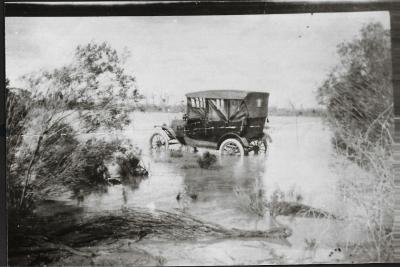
pixel 299 158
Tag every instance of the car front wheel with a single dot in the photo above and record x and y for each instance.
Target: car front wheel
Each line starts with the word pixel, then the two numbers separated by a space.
pixel 158 142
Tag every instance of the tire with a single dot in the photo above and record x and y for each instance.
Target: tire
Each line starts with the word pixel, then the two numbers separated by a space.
pixel 231 147
pixel 258 147
pixel 158 141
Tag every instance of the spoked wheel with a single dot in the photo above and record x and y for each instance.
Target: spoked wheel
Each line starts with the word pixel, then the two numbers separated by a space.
pixel 231 147
pixel 158 142
pixel 258 147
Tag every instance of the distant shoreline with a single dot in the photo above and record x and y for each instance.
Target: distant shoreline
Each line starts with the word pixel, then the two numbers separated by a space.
pixel 279 114
pixel 273 112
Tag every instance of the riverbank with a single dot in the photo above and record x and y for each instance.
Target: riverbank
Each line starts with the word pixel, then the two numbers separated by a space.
pixel 58 232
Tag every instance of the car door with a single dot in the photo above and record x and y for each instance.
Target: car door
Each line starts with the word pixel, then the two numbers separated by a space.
pixel 216 122
pixel 196 122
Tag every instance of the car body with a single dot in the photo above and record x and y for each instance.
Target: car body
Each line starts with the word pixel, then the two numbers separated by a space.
pixel 214 116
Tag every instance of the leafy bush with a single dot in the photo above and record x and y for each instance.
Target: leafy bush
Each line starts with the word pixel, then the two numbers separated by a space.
pixel 207 160
pixel 74 165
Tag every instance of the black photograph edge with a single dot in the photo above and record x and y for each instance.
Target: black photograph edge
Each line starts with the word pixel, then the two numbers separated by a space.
pixel 187 8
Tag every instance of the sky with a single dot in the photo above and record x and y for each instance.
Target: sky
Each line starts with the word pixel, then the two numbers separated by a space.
pixel 286 55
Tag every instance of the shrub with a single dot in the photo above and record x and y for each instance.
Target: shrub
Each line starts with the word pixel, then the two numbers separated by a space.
pixel 129 165
pixel 81 166
pixel 207 160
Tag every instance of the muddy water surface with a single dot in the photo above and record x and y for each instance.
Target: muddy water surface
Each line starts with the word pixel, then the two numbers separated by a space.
pixel 300 157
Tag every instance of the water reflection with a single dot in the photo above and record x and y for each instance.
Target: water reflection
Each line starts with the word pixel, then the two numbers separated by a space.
pixel 80 197
pixel 233 172
pixel 79 193
pixel 133 182
pixel 124 195
pixel 215 188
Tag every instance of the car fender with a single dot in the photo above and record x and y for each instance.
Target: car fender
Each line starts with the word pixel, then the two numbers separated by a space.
pixel 267 137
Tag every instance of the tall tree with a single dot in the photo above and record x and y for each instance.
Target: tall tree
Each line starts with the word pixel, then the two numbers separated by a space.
pixel 358 91
pixel 87 93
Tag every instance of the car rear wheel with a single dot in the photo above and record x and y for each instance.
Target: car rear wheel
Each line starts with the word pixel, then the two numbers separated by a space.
pixel 258 147
pixel 231 147
pixel 158 142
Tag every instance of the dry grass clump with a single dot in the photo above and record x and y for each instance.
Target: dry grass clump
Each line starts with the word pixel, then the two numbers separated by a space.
pixel 187 166
pixel 364 159
pixel 367 189
pixel 252 200
pixel 185 197
pixel 258 202
pixel 176 153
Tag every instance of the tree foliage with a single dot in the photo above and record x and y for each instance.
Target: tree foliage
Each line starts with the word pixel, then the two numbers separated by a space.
pixel 358 91
pixel 55 109
pixel 95 82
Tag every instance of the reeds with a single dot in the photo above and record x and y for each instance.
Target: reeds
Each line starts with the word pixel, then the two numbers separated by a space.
pixel 366 186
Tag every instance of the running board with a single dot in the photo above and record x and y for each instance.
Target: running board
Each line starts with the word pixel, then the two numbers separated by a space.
pixel 200 143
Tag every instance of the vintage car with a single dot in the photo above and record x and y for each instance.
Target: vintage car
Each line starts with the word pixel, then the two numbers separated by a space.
pixel 230 121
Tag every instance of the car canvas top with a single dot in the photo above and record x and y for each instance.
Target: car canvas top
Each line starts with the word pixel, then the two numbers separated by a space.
pixel 222 94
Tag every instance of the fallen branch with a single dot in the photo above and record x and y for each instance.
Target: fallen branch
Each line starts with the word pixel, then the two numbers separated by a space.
pixel 138 223
pixel 284 208
pixel 49 247
pixel 63 232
